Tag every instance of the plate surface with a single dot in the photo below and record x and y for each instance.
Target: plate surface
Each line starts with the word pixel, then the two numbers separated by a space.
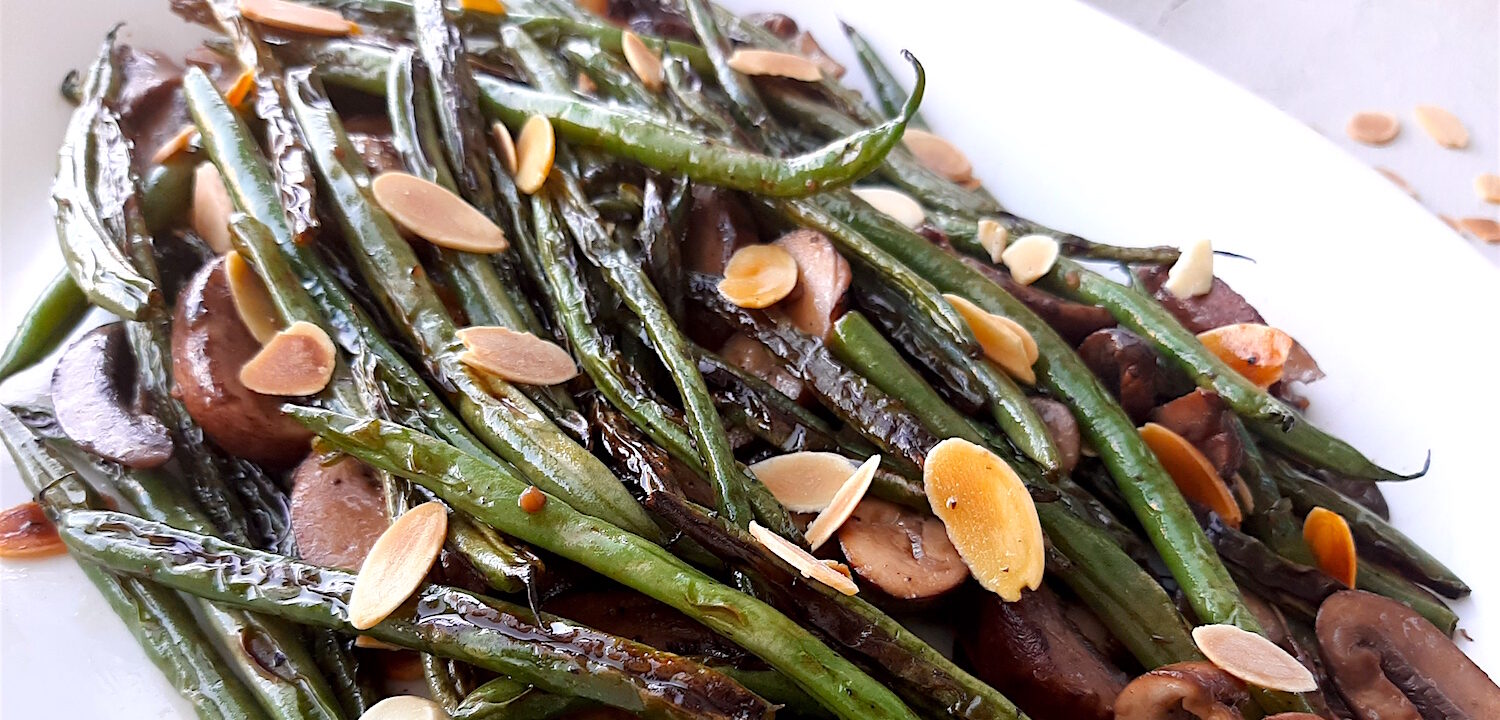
pixel 1070 118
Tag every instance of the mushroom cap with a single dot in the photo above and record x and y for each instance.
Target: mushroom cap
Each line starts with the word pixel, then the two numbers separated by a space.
pixel 1197 687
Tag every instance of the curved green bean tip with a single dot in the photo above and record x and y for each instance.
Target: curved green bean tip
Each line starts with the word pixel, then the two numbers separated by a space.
pixel 914 100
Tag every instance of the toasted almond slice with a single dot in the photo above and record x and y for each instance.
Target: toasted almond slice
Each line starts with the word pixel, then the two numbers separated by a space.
pixel 776 64
pixel 972 184
pixel 938 155
pixel 397 564
pixel 252 302
pixel 405 707
pixel 1193 474
pixel 842 506
pixel 1030 257
pixel 758 276
pixel 1443 126
pixel 492 7
pixel 506 146
pixel 517 357
pixel 804 481
pixel 1004 341
pixel 535 150
pixel 1373 127
pixel 1253 659
pixel 1397 180
pixel 597 7
pixel 179 143
pixel 369 643
pixel 1258 352
pixel 297 17
pixel 809 566
pixel 1327 533
pixel 25 532
pixel 435 214
pixel 1481 228
pixel 993 237
pixel 894 203
pixel 988 514
pixel 1487 185
pixel 211 208
pixel 643 61
pixel 1193 273
pixel 295 362
pixel 241 89
pixel 585 85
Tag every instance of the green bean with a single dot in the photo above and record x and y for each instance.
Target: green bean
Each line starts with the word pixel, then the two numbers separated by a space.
pixel 167 191
pixel 888 91
pixel 1382 581
pixel 608 37
pixel 608 72
pixel 855 341
pixel 744 101
pixel 506 699
pixel 54 316
pixel 334 654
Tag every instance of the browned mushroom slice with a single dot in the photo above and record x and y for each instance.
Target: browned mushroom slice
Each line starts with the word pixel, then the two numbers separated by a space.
pixel 1030 651
pixel 1204 420
pixel 1196 688
pixel 903 553
pixel 718 224
pixel 209 347
pixel 747 354
pixel 1389 662
pixel 1127 366
pixel 823 278
pixel 1063 428
pixel 92 391
pixel 338 511
pixel 1072 320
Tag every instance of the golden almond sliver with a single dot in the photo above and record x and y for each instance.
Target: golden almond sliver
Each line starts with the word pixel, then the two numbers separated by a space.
pixel 1483 229
pixel 397 564
pixel 295 362
pixel 1253 659
pixel 506 146
pixel 642 60
pixel 993 237
pixel 804 481
pixel 585 85
pixel 988 514
pixel 1397 180
pixel 369 643
pixel 842 506
pixel 1487 185
pixel 405 707
pixel 252 302
pixel 775 64
pixel 1002 339
pixel 597 7
pixel 435 214
pixel 517 357
pixel 211 208
pixel 758 276
pixel 1030 257
pixel 938 155
pixel 535 149
pixel 241 89
pixel 894 203
pixel 178 143
pixel 297 17
pixel 1193 273
pixel 1373 127
pixel 1443 126
pixel 809 566
pixel 491 7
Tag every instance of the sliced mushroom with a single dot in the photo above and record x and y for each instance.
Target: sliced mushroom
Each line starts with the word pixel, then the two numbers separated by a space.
pixel 93 393
pixel 1389 663
pixel 1204 420
pixel 749 355
pixel 209 347
pixel 1074 321
pixel 823 277
pixel 1063 429
pixel 1196 688
pixel 718 224
pixel 1127 366
pixel 903 553
pixel 338 511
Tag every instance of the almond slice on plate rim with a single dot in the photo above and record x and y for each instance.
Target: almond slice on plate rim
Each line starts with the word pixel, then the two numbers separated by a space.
pixel 1193 273
pixel 296 362
pixel 1002 339
pixel 506 145
pixel 776 64
pixel 1442 126
pixel 1397 180
pixel 809 566
pixel 938 155
pixel 297 17
pixel 842 506
pixel 759 276
pixel 1373 127
pixel 893 203
pixel 252 302
pixel 1481 228
pixel 988 514
pixel 643 61
pixel 804 481
pixel 405 707
pixel 1487 186
pixel 993 237
pixel 211 208
pixel 1030 257
pixel 397 564
pixel 517 357
pixel 1253 659
pixel 536 147
pixel 435 214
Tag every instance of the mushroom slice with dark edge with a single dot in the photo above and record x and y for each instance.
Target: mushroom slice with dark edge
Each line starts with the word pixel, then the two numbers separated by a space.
pixel 718 225
pixel 1389 663
pixel 1203 419
pixel 903 553
pixel 1062 427
pixel 93 391
pixel 1195 689
pixel 823 278
pixel 338 511
pixel 1127 366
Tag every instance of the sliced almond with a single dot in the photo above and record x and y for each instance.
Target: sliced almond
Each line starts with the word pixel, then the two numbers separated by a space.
pixel 988 514
pixel 894 203
pixel 806 481
pixel 1442 126
pixel 1487 185
pixel 585 85
pixel 1002 339
pixel 643 61
pixel 506 146
pixel 1192 473
pixel 938 155
pixel 775 64
pixel 252 302
pixel 1253 659
pixel 1481 228
pixel 435 214
pixel 397 564
pixel 1257 352
pixel 1030 257
pixel 597 7
pixel 178 143
pixel 211 208
pixel 295 362
pixel 1397 180
pixel 1451 223
pixel 535 150
pixel 517 357
pixel 297 17
pixel 1373 127
pixel 240 91
pixel 758 276
pixel 25 532
pixel 842 506
pixel 491 7
pixel 993 237
pixel 1193 273
pixel 369 643
pixel 405 707
pixel 809 566
pixel 1332 543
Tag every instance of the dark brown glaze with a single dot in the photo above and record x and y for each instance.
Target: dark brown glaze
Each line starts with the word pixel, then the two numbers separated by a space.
pixel 1062 427
pixel 1188 689
pixel 905 554
pixel 635 458
pixel 1391 664
pixel 209 346
pixel 1204 420
pixel 338 511
pixel 1127 366
pixel 637 617
pixel 718 224
pixel 1074 321
pixel 1028 650
pixel 93 395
